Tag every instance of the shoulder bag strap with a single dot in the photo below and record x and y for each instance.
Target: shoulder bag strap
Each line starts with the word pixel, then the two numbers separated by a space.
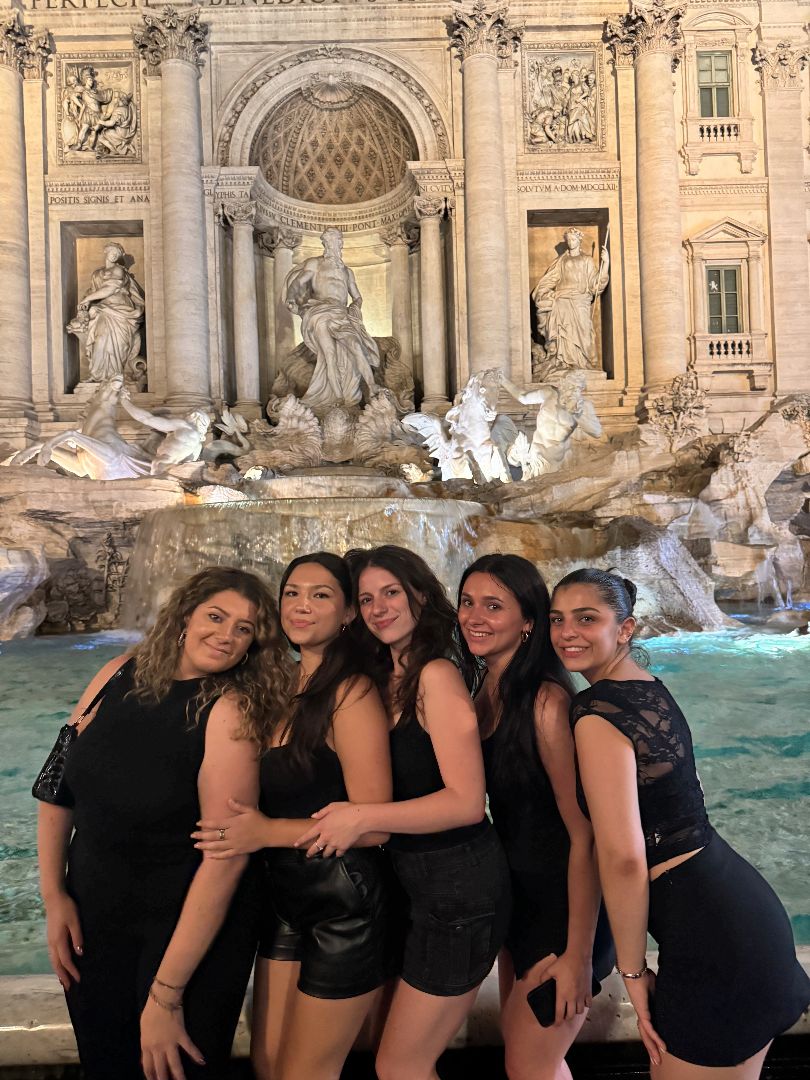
pixel 101 693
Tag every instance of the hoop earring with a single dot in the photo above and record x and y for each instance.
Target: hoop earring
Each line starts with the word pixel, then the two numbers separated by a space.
pixel 182 639
pixel 524 636
pixel 244 659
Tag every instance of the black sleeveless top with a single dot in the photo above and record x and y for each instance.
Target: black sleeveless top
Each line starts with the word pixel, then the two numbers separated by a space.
pixel 525 815
pixel 415 772
pixel 673 815
pixel 288 791
pixel 131 775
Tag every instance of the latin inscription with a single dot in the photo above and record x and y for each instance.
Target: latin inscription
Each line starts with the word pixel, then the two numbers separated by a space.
pixel 100 5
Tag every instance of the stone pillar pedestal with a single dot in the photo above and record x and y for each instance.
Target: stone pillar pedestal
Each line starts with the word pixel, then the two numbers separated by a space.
pixel 429 211
pixel 286 243
pixel 483 39
pixel 172 46
pixel 15 276
pixel 652 35
pixel 241 216
pixel 399 240
pixel 780 67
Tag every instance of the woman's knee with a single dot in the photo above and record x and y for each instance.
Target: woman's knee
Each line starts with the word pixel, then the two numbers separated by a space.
pixel 390 1067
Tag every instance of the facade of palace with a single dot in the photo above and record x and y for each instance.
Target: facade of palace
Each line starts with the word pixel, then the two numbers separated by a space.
pixel 163 169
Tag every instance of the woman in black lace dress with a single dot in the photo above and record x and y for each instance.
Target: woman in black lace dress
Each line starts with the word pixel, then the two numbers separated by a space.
pixel 728 980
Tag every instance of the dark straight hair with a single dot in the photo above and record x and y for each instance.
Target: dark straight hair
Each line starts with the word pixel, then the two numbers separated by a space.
pixel 309 719
pixel 434 635
pixel 533 664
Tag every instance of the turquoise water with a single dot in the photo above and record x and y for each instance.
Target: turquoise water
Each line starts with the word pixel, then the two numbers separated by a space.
pixel 745 694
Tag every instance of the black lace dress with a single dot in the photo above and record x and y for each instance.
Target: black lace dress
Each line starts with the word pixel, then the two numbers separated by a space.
pixel 728 978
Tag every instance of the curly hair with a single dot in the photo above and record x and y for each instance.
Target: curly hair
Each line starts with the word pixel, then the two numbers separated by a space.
pixel 434 635
pixel 533 664
pixel 261 684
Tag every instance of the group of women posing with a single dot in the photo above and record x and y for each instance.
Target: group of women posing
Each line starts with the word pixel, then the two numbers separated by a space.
pixel 359 776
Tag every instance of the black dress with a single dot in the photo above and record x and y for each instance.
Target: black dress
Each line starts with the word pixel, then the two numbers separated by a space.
pixel 132 785
pixel 527 819
pixel 728 979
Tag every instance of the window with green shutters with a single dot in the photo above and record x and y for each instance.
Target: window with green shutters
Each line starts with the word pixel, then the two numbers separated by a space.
pixel 723 296
pixel 714 83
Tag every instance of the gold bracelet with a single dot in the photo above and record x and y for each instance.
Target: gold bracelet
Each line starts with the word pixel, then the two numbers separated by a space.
pixel 633 974
pixel 164 1004
pixel 168 986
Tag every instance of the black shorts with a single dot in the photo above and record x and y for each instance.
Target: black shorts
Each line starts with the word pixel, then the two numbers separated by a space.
pixel 728 978
pixel 334 916
pixel 458 913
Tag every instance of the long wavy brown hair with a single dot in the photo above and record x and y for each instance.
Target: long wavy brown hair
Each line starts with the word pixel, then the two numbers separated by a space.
pixel 262 683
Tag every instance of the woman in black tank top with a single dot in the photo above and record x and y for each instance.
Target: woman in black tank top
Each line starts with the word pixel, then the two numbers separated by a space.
pixel 325 946
pixel 522 694
pixel 728 979
pixel 153 944
pixel 444 852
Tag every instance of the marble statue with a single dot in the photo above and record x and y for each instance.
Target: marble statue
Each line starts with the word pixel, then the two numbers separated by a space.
pixel 296 441
pixel 234 428
pixel 117 128
pixel 346 354
pixel 94 450
pixel 563 410
pixel 184 436
pixel 71 108
pixel 110 320
pixel 91 101
pixel 564 298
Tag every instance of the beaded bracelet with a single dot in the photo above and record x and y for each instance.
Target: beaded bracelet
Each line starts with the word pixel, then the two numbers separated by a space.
pixel 633 974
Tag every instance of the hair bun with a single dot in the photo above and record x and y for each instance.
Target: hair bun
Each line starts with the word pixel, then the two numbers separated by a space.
pixel 631 589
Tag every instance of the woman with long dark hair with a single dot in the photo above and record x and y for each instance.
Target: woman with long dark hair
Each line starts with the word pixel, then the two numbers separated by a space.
pixel 444 851
pixel 153 944
pixel 326 943
pixel 522 694
pixel 728 979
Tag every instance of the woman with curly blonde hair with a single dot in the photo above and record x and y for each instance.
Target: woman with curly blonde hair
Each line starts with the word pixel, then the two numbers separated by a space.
pixel 152 943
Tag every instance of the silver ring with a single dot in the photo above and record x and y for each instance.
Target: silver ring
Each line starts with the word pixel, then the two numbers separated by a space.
pixel 222 834
pixel 321 847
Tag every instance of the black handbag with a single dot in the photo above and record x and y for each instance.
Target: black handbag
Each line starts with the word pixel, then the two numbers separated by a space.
pixel 49 786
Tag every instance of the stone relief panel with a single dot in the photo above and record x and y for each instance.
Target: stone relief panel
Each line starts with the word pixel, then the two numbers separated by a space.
pixel 97 108
pixel 563 98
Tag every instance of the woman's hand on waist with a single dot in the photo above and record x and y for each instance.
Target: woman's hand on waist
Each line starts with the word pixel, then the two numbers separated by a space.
pixel 245 832
pixel 337 827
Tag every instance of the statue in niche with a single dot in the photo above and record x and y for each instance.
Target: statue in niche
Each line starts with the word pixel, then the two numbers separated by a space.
pixel 562 101
pixel 346 354
pixel 109 319
pixel 564 298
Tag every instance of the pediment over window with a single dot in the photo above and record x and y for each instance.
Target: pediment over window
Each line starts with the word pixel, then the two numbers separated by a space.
pixel 727 231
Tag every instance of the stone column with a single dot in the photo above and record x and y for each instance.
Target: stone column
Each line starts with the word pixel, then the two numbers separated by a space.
pixel 756 316
pixel 651 35
pixel 399 239
pixel 286 243
pixel 17 52
pixel 780 67
pixel 172 42
pixel 429 211
pixel 240 216
pixel 483 39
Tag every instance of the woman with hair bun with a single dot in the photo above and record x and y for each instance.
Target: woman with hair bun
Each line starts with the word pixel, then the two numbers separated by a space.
pixel 728 980
pixel 522 695
pixel 444 851
pixel 152 943
pixel 325 946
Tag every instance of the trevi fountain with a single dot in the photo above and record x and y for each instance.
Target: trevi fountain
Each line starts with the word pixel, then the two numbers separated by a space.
pixel 279 275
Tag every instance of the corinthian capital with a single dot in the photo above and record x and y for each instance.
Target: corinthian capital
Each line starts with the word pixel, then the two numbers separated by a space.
pixel 172 35
pixel 653 27
pixel 22 49
pixel 429 206
pixel 404 232
pixel 485 30
pixel 780 67
pixel 241 212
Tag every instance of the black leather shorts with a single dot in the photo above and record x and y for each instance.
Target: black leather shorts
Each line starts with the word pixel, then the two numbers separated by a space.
pixel 334 916
pixel 460 901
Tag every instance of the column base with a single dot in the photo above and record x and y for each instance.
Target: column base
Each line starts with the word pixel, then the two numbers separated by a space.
pixel 436 404
pixel 250 409
pixel 187 402
pixel 18 431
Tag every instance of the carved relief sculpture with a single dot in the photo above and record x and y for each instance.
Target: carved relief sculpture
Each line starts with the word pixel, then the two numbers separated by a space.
pixel 109 321
pixel 346 354
pixel 780 66
pixel 97 109
pixel 563 104
pixel 564 298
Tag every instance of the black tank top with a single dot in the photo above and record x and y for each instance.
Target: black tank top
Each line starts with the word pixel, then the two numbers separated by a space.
pixel 415 773
pixel 525 815
pixel 131 775
pixel 289 791
pixel 670 798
